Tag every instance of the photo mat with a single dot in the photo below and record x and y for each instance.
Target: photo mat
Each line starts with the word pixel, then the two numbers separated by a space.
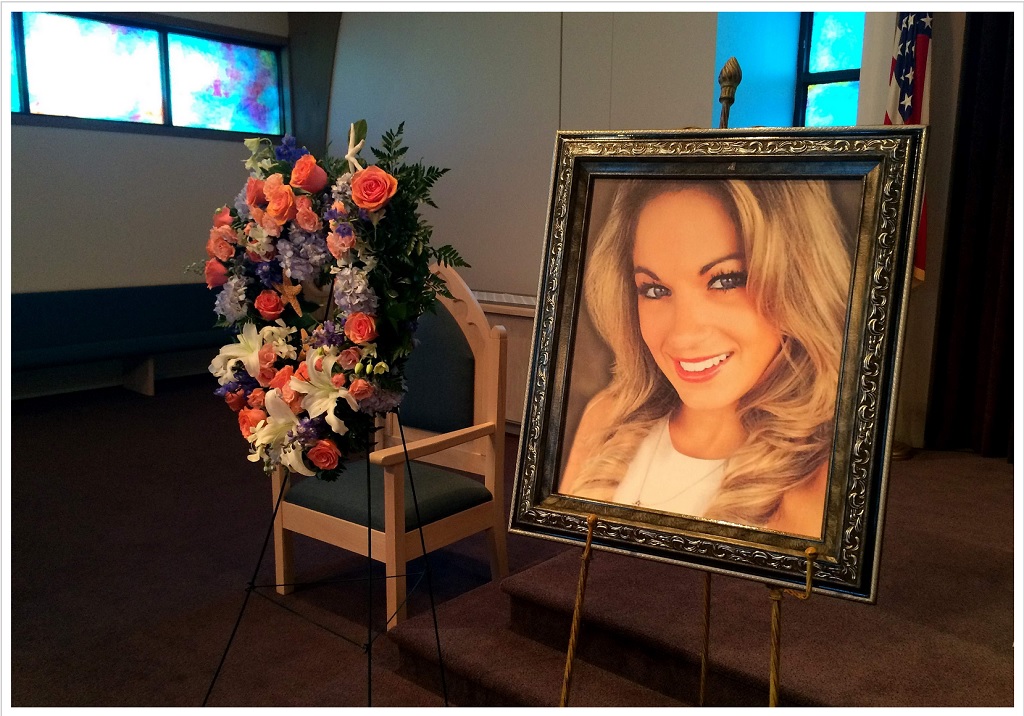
pixel 700 376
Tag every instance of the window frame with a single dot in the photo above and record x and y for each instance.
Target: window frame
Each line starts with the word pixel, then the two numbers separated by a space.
pixel 805 78
pixel 164 25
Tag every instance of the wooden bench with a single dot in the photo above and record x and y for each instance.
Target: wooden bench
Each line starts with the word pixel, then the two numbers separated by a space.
pixel 134 324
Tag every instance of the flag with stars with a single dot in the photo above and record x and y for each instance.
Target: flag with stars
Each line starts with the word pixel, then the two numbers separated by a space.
pixel 909 93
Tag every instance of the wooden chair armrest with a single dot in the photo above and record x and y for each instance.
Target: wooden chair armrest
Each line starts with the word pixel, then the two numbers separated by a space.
pixel 428 446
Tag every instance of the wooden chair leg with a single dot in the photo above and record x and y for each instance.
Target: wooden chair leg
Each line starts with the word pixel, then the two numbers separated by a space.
pixel 394 543
pixel 283 575
pixel 497 548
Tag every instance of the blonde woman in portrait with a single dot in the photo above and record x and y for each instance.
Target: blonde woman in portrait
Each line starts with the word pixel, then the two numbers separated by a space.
pixel 723 304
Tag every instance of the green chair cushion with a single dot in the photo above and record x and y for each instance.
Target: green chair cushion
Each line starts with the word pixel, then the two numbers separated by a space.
pixel 440 494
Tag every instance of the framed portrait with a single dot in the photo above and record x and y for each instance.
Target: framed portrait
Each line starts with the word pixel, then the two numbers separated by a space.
pixel 717 347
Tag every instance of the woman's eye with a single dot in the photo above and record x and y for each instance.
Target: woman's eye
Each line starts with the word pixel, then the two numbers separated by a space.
pixel 728 281
pixel 652 290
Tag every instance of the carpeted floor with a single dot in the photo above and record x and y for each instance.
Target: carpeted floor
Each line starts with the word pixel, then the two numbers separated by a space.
pixel 136 524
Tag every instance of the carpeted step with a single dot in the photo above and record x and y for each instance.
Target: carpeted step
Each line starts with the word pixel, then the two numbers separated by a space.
pixel 644 621
pixel 941 633
pixel 486 664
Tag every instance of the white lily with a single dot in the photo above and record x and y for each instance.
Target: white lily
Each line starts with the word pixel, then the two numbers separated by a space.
pixel 270 435
pixel 247 350
pixel 259 241
pixel 291 457
pixel 321 394
pixel 277 335
pixel 353 149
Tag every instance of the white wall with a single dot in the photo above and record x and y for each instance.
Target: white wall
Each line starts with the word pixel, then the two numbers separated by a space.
pixel 97 209
pixel 483 94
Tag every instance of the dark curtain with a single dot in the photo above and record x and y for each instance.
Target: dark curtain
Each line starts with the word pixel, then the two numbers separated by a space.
pixel 971 396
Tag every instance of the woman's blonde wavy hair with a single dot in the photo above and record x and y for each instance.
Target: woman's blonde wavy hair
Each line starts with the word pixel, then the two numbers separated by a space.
pixel 798 269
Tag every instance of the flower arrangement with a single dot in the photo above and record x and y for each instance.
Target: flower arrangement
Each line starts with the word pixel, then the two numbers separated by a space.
pixel 322 268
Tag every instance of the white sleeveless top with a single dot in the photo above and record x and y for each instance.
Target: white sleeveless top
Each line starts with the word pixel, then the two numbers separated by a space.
pixel 659 478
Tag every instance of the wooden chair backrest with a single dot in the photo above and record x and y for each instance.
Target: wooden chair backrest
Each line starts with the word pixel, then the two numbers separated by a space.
pixel 488 346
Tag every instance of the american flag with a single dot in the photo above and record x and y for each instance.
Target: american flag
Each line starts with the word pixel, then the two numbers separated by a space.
pixel 909 93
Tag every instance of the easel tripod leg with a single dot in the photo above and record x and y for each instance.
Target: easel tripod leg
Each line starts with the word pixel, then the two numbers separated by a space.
pixel 774 658
pixel 706 650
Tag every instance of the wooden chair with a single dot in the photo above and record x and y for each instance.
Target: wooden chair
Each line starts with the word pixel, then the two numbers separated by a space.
pixel 441 436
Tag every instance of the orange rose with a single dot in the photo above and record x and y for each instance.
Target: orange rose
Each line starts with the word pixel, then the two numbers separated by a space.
pixel 236 400
pixel 338 380
pixel 216 273
pixel 349 357
pixel 360 389
pixel 360 328
pixel 308 175
pixel 222 217
pixel 256 398
pixel 267 370
pixel 269 304
pixel 217 246
pixel 282 382
pixel 339 244
pixel 302 372
pixel 282 377
pixel 372 188
pixel 324 455
pixel 254 195
pixel 227 233
pixel 280 201
pixel 305 217
pixel 248 419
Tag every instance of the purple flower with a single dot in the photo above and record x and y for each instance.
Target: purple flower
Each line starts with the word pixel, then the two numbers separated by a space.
pixel 241 380
pixel 241 206
pixel 302 254
pixel 308 431
pixel 269 273
pixel 327 334
pixel 352 292
pixel 382 401
pixel 287 151
pixel 230 302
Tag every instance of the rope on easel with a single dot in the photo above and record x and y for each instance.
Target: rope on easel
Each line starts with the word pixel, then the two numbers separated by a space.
pixel 577 611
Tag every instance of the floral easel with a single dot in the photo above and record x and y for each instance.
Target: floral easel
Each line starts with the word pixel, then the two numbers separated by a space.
pixel 322 269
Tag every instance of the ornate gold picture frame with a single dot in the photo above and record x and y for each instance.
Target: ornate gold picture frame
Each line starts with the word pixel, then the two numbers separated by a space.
pixel 717 347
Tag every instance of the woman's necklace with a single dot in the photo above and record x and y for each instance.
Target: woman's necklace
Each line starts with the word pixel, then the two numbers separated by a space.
pixel 643 483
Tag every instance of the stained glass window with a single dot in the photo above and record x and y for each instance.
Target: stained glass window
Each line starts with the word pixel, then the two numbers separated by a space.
pixel 832 105
pixel 223 86
pixel 828 80
pixel 837 40
pixel 15 81
pixel 84 68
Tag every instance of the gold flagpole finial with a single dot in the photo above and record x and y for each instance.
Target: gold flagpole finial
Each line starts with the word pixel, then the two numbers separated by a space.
pixel 729 78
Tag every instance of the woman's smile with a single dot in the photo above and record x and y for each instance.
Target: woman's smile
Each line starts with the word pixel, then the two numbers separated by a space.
pixel 698 370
